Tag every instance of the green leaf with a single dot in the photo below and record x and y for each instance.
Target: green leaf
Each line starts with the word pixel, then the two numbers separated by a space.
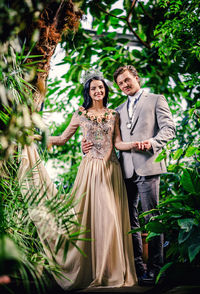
pixel 155 227
pixel 194 248
pixel 163 269
pixel 100 29
pixel 178 154
pixel 197 104
pixel 59 243
pixel 151 235
pixel 136 53
pixel 31 56
pixel 191 151
pixel 183 236
pixel 116 11
pixel 161 156
pixel 187 181
pixel 123 40
pixel 109 49
pixel 187 223
pixel 111 35
pixel 66 247
pixel 35 62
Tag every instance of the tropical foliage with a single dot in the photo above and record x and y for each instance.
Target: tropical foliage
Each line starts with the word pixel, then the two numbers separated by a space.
pixel 22 255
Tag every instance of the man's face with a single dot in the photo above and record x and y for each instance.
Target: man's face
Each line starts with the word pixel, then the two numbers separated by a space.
pixel 128 83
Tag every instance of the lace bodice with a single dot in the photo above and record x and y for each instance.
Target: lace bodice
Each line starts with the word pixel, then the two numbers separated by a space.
pixel 100 130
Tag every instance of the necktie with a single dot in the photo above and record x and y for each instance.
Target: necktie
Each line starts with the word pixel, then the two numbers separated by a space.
pixel 131 106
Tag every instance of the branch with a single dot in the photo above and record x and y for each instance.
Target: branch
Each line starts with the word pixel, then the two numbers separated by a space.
pixel 126 19
pixel 132 6
pixel 55 19
pixel 108 13
pixel 145 12
pixel 137 36
pixel 130 27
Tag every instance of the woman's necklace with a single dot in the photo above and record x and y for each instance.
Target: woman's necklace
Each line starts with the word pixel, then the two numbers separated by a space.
pixel 97 117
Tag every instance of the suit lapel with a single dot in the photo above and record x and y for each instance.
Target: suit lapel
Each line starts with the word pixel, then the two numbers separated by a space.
pixel 124 112
pixel 140 104
pixel 124 120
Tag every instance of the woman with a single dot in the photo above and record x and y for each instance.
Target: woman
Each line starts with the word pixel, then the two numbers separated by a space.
pixel 102 205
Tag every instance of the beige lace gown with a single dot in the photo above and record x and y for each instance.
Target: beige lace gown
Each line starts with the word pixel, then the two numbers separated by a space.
pixel 102 209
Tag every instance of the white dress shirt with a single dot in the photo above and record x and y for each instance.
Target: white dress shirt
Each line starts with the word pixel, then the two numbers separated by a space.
pixel 132 100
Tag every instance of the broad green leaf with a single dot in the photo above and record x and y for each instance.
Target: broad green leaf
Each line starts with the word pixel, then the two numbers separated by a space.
pixel 136 53
pixel 191 151
pixel 183 236
pixel 172 167
pixel 178 154
pixel 191 111
pixel 152 235
pixel 155 227
pixel 116 11
pixel 111 35
pixel 100 29
pixel 187 223
pixel 194 248
pixel 161 156
pixel 188 181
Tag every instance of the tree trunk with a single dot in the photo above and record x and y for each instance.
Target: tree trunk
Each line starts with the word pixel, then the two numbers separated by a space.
pixel 55 20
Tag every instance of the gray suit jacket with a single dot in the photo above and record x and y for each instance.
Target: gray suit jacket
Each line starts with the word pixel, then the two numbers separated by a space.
pixel 152 120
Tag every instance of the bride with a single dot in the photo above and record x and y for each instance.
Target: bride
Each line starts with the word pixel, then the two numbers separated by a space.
pixel 100 193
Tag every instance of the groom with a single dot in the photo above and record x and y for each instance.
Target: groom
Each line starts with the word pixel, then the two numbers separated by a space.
pixel 146 118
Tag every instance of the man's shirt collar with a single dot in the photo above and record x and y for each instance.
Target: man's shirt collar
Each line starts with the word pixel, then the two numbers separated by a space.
pixel 136 95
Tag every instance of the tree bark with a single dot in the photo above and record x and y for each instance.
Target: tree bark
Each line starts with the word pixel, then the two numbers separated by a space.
pixel 55 20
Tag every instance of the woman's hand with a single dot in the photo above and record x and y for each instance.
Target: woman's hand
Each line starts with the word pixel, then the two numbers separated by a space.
pixel 36 137
pixel 5 279
pixel 86 146
pixel 144 145
pixel 135 145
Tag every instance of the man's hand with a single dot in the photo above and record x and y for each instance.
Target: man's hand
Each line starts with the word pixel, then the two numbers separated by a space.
pixel 86 146
pixel 144 145
pixel 147 145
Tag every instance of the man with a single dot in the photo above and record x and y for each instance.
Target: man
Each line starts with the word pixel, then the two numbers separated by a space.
pixel 146 119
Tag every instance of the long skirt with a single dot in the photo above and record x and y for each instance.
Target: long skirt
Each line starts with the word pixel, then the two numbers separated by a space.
pixel 102 209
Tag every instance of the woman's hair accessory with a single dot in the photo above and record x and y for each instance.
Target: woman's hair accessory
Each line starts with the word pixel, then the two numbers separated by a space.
pixel 91 73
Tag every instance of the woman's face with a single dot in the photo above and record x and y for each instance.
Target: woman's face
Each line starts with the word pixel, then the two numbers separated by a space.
pixel 97 90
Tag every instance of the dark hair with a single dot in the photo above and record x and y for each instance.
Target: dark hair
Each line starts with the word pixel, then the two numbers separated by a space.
pixel 122 69
pixel 87 99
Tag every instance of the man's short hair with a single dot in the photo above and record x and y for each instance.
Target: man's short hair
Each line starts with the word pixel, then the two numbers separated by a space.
pixel 122 69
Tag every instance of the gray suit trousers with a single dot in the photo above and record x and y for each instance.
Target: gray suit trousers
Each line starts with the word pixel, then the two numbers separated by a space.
pixel 146 190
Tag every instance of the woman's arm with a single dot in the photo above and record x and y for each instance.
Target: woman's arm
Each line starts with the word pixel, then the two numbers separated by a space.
pixel 67 134
pixel 119 144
